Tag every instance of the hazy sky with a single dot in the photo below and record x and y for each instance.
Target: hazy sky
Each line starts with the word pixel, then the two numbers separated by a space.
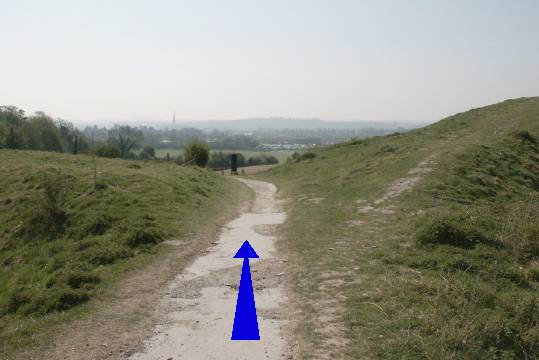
pixel 370 60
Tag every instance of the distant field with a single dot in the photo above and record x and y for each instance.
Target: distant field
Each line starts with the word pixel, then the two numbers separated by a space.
pixel 281 155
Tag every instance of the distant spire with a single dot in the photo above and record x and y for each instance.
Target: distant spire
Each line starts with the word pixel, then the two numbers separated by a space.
pixel 174 117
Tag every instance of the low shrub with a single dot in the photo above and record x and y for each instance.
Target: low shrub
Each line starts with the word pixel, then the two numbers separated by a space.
pixel 262 159
pixel 305 156
pixel 526 136
pixel 79 279
pixel 144 236
pixel 533 275
pixel 16 299
pixel 108 151
pixel 147 153
pixel 48 217
pixel 97 225
pixel 449 231
pixel 102 256
pixel 387 148
pixel 74 279
pixel 63 299
pixel 356 141
pixel 100 186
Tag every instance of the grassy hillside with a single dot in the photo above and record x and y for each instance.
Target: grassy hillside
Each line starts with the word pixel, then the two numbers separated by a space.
pixel 423 245
pixel 70 225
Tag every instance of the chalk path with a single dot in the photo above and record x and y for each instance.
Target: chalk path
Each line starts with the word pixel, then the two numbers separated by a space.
pixel 197 312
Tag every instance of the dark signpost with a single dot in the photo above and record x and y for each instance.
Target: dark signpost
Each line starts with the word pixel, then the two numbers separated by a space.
pixel 75 145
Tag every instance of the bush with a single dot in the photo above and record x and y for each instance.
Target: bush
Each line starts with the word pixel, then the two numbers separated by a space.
pixel 526 136
pixel 61 299
pixel 48 217
pixel 449 231
pixel 77 280
pixel 270 159
pixel 356 141
pixel 305 156
pixel 254 160
pixel 262 159
pixel 144 236
pixel 102 256
pixel 17 299
pixel 534 275
pixel 97 225
pixel 74 279
pixel 147 153
pixel 108 151
pixel 197 152
pixel 144 233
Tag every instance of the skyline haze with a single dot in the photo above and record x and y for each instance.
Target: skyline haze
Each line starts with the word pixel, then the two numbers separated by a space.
pixel 207 60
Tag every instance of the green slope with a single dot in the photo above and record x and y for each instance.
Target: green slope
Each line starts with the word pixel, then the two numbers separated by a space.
pixel 419 245
pixel 101 218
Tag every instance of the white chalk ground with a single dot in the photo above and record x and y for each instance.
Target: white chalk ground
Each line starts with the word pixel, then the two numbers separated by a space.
pixel 197 312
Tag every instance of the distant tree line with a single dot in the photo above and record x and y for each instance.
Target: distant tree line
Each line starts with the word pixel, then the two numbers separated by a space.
pixel 181 138
pixel 42 132
pixel 156 138
pixel 220 160
pixel 38 132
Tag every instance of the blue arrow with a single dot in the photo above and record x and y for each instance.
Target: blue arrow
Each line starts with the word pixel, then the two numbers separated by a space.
pixel 245 321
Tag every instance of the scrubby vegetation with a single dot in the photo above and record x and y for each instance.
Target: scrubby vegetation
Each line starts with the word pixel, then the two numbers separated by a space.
pixel 447 268
pixel 198 153
pixel 297 156
pixel 222 160
pixel 70 225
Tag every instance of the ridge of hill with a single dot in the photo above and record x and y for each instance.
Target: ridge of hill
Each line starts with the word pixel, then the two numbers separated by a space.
pixel 418 245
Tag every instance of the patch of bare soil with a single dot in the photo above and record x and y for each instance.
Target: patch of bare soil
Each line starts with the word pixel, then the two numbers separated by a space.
pixel 408 182
pixel 396 188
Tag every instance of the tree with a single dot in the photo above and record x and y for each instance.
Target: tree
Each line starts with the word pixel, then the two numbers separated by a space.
pixel 147 152
pixel 4 133
pixel 11 120
pixel 45 131
pixel 197 152
pixel 125 138
pixel 108 151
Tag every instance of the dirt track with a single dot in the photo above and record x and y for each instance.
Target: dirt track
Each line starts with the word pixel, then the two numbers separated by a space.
pixel 197 312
